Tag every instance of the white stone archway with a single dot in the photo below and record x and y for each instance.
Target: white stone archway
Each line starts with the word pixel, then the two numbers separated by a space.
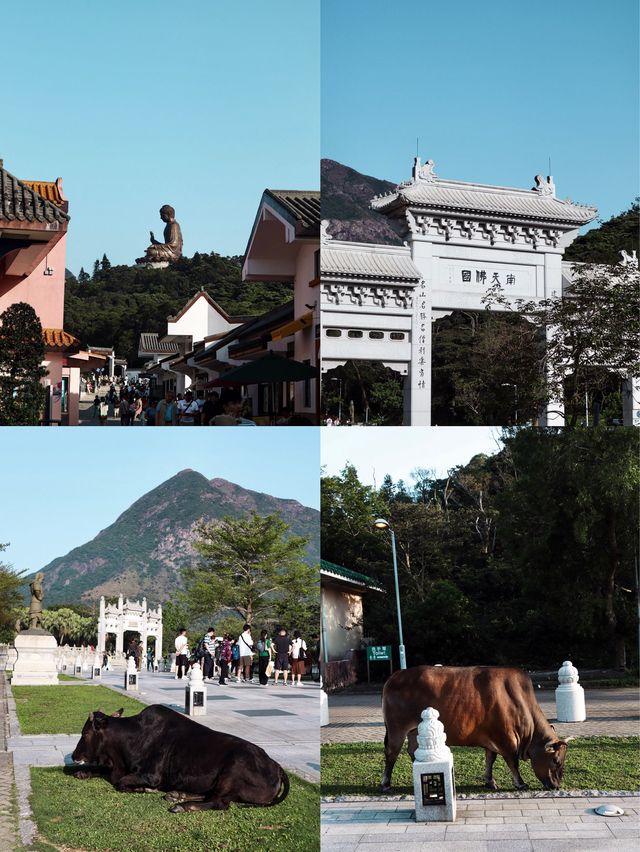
pixel 126 616
pixel 378 302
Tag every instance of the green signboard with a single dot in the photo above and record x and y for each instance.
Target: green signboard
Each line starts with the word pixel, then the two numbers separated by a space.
pixel 379 652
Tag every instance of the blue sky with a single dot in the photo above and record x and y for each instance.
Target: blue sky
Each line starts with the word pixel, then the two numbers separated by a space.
pixel 200 105
pixel 399 450
pixel 491 89
pixel 60 487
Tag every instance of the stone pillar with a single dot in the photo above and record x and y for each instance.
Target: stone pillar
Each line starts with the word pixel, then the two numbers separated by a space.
pixel 195 693
pixel 159 634
pixel 96 668
pixel 35 664
pixel 433 782
pixel 102 627
pixel 570 705
pixel 131 675
pixel 77 669
pixel 324 707
pixel 419 379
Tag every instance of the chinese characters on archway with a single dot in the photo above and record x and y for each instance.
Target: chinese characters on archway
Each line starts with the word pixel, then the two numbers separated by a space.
pixel 421 363
pixel 508 279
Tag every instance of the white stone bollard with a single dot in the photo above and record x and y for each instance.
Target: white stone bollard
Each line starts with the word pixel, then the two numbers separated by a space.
pixel 77 669
pixel 96 668
pixel 570 705
pixel 131 675
pixel 324 707
pixel 433 782
pixel 195 693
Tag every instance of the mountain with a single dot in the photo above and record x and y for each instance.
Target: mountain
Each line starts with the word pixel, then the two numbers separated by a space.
pixel 144 550
pixel 346 195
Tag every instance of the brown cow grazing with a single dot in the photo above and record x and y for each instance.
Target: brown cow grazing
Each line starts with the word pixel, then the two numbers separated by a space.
pixel 494 708
pixel 160 749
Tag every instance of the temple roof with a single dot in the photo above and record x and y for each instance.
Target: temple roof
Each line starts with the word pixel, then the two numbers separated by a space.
pixel 426 191
pixel 355 261
pixel 202 293
pixel 20 201
pixel 58 340
pixel 51 190
pixel 151 345
pixel 303 206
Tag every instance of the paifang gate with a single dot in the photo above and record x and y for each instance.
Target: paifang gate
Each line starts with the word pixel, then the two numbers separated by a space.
pixel 378 301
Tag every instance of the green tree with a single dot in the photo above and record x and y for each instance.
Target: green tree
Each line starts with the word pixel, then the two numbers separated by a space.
pixel 592 331
pixel 83 277
pixel 253 567
pixel 10 599
pixel 603 244
pixel 22 395
pixel 105 264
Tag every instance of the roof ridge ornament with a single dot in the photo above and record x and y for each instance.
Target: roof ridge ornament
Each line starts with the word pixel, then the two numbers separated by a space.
pixel 544 187
pixel 325 236
pixel 629 259
pixel 423 173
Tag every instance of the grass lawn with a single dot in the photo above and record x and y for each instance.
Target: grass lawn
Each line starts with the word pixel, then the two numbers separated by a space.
pixel 64 709
pixel 603 763
pixel 91 815
pixel 66 677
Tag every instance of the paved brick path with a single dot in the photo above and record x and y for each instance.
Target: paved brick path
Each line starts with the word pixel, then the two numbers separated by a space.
pixel 357 717
pixel 512 825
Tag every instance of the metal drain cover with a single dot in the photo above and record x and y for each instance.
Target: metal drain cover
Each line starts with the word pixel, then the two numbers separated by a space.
pixel 609 810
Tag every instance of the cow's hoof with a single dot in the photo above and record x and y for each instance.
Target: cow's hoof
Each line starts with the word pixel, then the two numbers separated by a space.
pixel 491 785
pixel 385 788
pixel 175 797
pixel 522 786
pixel 177 809
pixel 82 775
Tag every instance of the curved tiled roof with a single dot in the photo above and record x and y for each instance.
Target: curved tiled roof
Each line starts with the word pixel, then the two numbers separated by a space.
pixel 19 201
pixel 150 345
pixel 384 263
pixel 302 205
pixel 467 199
pixel 59 340
pixel 50 190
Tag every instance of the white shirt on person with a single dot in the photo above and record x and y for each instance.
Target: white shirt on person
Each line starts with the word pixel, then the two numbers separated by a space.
pixel 182 644
pixel 245 644
pixel 295 647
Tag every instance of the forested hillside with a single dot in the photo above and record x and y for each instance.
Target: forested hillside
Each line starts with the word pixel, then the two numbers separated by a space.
pixel 525 557
pixel 114 304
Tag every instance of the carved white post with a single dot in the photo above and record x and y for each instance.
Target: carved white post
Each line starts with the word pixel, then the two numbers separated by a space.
pixel 131 675
pixel 433 782
pixel 570 705
pixel 324 707
pixel 77 669
pixel 195 693
pixel 96 668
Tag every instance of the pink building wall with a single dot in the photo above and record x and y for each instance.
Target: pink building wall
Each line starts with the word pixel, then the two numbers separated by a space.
pixel 45 293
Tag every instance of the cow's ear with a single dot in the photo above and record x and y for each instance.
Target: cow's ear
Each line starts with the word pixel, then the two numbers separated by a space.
pixel 118 713
pixel 99 720
pixel 91 717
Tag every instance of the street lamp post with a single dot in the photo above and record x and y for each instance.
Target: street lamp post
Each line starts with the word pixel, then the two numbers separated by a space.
pixel 381 524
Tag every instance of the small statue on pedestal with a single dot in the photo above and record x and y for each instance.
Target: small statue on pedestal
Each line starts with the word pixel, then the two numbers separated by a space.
pixel 171 249
pixel 35 607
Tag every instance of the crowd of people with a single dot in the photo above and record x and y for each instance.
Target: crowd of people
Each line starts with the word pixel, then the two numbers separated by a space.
pixel 136 404
pixel 245 659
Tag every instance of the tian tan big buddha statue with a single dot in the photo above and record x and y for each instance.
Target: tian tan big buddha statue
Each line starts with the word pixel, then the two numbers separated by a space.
pixel 171 249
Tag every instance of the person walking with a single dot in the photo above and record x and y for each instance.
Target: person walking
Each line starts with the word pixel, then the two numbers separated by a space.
pixel 283 649
pixel 263 646
pixel 104 412
pixel 167 410
pixel 209 653
pixel 182 653
pixel 150 660
pixel 235 659
pixel 298 658
pixel 247 650
pixel 188 410
pixel 123 410
pixel 224 658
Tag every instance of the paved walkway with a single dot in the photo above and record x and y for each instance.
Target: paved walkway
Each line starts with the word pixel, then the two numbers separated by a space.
pixel 357 717
pixel 7 822
pixel 512 825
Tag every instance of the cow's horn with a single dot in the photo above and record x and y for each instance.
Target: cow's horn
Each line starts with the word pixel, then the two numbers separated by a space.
pixel 91 717
pixel 568 739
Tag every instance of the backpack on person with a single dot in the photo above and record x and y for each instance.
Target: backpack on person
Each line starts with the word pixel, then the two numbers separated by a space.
pixel 302 651
pixel 260 645
pixel 235 653
pixel 201 649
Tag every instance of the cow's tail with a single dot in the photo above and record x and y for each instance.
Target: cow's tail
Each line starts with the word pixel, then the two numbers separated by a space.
pixel 283 790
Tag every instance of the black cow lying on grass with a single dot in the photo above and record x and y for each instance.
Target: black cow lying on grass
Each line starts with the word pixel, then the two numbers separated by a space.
pixel 160 749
